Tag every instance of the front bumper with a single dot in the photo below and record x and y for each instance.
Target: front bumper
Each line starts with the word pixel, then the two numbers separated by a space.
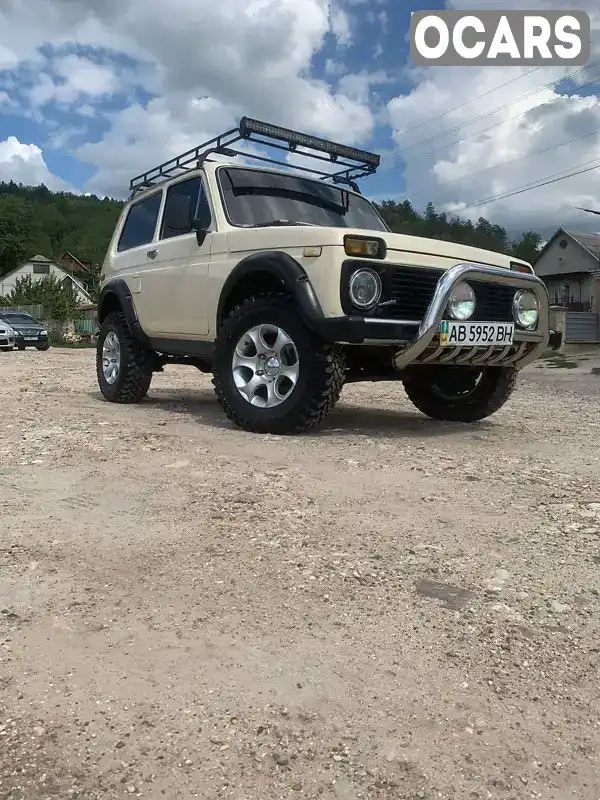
pixel 7 341
pixel 31 340
pixel 555 340
pixel 418 341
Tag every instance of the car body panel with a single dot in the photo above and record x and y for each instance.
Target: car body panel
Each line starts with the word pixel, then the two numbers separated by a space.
pixel 176 293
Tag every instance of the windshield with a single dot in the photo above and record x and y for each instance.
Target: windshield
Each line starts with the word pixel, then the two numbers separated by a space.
pixel 18 319
pixel 254 198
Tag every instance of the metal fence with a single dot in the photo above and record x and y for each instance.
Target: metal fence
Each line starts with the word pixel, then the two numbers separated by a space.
pixel 582 326
pixel 34 310
pixel 84 327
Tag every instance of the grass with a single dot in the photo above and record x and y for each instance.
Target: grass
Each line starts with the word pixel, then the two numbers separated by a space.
pixel 559 361
pixel 74 345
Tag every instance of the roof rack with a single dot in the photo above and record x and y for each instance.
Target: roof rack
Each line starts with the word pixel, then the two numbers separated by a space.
pixel 354 163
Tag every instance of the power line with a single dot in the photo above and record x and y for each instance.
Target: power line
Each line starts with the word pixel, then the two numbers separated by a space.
pixel 495 111
pixel 505 105
pixel 550 179
pixel 466 103
pixel 509 119
pixel 503 164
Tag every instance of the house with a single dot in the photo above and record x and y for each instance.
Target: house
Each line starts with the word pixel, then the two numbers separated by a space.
pixel 569 265
pixel 39 267
pixel 74 264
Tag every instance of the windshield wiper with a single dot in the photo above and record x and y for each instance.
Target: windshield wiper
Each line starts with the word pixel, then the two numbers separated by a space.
pixel 280 222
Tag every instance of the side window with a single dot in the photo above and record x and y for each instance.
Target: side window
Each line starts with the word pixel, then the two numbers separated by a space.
pixel 185 202
pixel 140 223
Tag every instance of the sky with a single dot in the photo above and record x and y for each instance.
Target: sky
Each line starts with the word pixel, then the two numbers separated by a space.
pixel 92 92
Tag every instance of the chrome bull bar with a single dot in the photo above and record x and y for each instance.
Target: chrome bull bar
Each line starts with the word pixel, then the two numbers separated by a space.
pixel 429 327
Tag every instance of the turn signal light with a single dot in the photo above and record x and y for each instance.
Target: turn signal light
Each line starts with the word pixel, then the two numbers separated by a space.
pixel 364 247
pixel 521 268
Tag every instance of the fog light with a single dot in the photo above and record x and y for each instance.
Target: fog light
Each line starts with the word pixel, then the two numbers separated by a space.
pixel 526 309
pixel 461 304
pixel 365 288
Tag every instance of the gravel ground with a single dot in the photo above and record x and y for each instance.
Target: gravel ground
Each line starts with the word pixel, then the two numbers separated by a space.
pixel 388 607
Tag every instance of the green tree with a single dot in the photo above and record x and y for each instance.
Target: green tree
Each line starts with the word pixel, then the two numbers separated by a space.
pixel 18 229
pixel 55 295
pixel 529 247
pixel 58 227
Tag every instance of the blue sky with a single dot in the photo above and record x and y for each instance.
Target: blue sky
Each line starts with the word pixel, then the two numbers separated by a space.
pixel 96 91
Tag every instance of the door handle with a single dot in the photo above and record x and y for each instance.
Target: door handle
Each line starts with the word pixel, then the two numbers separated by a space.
pixel 152 253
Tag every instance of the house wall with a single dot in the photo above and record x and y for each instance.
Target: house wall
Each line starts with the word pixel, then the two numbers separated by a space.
pixel 573 291
pixel 565 260
pixel 8 282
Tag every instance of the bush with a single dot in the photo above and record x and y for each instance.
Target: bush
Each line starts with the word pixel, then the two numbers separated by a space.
pixel 57 298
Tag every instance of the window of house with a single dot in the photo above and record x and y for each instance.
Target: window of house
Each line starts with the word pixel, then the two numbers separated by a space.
pixel 41 269
pixel 140 223
pixel 188 201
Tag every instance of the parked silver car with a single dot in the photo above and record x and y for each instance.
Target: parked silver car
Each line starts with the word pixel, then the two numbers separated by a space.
pixel 7 337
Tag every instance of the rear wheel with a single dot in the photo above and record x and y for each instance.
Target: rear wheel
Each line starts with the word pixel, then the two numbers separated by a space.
pixel 271 373
pixel 123 366
pixel 459 394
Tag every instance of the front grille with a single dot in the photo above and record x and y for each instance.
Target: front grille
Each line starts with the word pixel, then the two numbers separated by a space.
pixel 412 290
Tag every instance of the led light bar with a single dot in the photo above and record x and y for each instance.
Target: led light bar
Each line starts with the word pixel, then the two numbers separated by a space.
pixel 249 126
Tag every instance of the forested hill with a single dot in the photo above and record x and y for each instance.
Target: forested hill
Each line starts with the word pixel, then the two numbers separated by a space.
pixel 34 220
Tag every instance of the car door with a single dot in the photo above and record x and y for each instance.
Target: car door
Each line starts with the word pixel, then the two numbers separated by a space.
pixel 180 268
pixel 131 258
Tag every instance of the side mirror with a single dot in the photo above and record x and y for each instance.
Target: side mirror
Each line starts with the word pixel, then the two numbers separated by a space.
pixel 200 224
pixel 178 213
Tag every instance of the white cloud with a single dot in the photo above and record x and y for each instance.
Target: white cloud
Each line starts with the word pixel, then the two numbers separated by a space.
pixel 465 161
pixel 334 69
pixel 24 163
pixel 340 26
pixel 246 56
pixel 86 77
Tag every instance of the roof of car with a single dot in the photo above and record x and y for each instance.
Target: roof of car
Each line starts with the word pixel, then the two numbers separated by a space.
pixel 212 166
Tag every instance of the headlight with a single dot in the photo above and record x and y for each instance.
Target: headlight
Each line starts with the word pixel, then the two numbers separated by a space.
pixel 461 304
pixel 365 288
pixel 43 333
pixel 526 309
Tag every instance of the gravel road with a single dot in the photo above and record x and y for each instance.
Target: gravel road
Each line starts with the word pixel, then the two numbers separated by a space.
pixel 388 608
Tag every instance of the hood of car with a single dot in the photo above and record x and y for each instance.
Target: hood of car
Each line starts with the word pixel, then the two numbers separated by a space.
pixel 401 248
pixel 20 327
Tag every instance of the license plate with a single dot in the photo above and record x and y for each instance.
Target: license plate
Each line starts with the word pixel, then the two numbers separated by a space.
pixel 30 338
pixel 476 334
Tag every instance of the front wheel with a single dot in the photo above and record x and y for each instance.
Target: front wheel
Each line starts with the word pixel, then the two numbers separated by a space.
pixel 43 347
pixel 271 373
pixel 459 394
pixel 123 366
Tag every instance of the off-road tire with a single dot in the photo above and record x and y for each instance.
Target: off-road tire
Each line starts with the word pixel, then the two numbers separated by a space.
pixel 321 375
pixel 135 373
pixel 493 391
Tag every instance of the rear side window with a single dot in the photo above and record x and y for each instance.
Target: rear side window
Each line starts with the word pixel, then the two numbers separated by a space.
pixel 140 223
pixel 185 202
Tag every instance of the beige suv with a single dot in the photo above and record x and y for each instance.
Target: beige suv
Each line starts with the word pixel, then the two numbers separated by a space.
pixel 285 284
